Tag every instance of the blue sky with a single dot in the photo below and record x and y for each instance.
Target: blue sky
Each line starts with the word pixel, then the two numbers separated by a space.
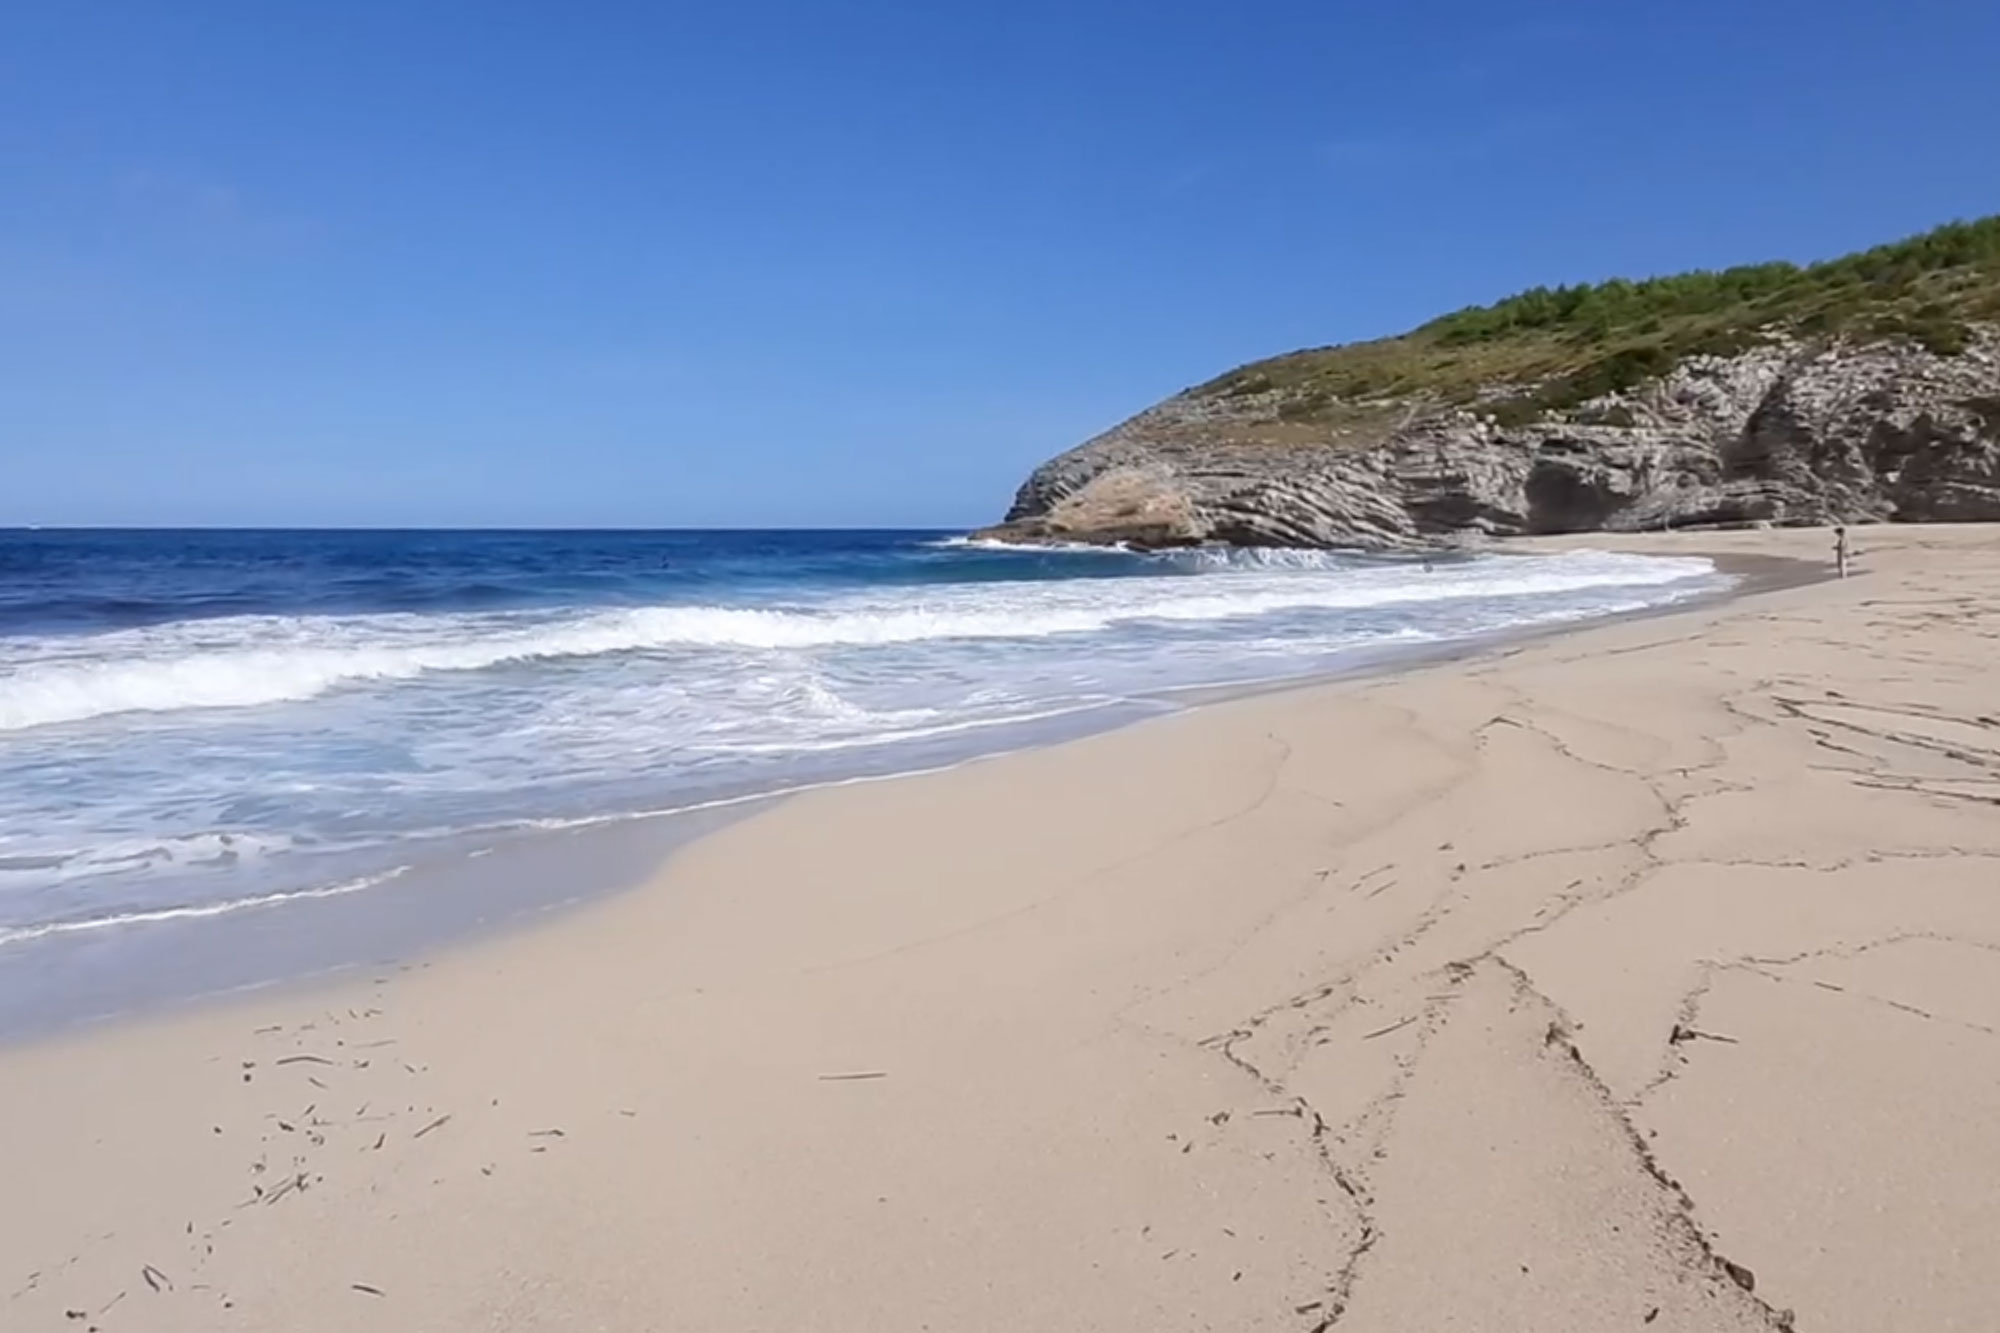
pixel 790 264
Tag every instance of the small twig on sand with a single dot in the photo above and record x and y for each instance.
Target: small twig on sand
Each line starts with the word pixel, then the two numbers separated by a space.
pixel 363 1286
pixel 155 1279
pixel 1681 1034
pixel 303 1059
pixel 851 1078
pixel 1383 1032
pixel 431 1126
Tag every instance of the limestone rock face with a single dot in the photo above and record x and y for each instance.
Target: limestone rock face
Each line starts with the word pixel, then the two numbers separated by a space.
pixel 1785 433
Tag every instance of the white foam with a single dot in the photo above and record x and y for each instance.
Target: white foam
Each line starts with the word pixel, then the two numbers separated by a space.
pixel 894 735
pixel 1029 548
pixel 250 661
pixel 209 848
pixel 1189 557
pixel 198 911
pixel 1205 558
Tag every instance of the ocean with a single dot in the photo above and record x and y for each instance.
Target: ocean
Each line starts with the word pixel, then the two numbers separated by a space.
pixel 199 724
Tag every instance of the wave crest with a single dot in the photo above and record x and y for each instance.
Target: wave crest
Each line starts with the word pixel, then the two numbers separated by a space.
pixel 189 912
pixel 286 660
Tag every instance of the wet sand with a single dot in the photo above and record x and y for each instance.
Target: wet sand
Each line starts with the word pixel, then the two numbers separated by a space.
pixel 1643 976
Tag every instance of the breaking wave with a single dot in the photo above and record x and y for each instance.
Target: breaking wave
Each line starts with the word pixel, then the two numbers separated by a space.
pixel 189 911
pixel 196 725
pixel 245 662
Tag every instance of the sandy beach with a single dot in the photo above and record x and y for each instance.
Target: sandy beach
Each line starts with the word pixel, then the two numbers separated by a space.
pixel 1644 976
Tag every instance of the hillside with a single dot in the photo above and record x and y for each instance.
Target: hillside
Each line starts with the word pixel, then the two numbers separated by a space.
pixel 1862 388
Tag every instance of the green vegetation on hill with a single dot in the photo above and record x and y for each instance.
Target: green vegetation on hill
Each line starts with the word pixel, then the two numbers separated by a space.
pixel 1551 349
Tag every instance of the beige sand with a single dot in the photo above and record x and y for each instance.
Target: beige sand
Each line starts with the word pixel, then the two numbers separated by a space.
pixel 1528 992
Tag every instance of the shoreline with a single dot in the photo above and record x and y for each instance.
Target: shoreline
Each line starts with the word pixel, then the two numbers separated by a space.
pixel 1399 1002
pixel 459 898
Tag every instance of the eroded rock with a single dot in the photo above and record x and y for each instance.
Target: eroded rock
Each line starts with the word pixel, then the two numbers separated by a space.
pixel 1785 433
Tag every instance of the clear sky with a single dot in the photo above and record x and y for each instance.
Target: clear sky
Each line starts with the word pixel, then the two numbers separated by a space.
pixel 782 263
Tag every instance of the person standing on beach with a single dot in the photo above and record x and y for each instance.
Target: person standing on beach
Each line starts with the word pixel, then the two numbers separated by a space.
pixel 1840 548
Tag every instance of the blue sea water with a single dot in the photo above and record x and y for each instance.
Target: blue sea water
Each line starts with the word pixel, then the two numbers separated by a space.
pixel 200 723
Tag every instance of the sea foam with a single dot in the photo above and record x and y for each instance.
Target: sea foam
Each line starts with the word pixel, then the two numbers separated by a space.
pixel 244 662
pixel 196 725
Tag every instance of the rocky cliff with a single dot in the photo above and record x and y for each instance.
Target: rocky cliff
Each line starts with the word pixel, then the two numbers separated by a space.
pixel 1869 395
